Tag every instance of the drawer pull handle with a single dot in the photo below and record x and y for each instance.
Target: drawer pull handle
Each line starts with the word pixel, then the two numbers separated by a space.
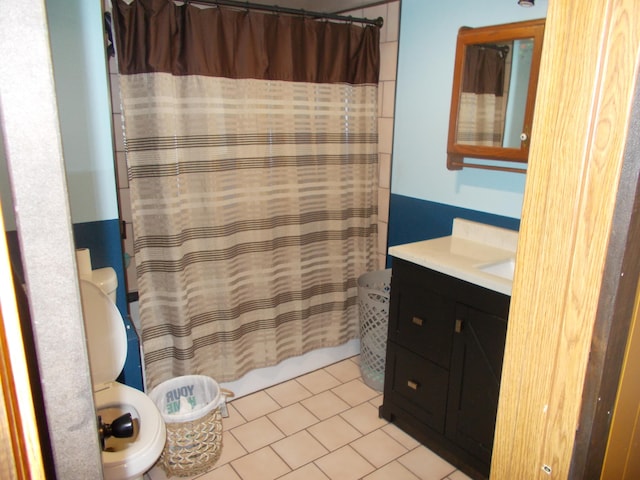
pixel 412 385
pixel 417 321
pixel 458 325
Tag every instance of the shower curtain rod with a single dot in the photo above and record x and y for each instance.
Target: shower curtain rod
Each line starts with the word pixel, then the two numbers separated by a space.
pixel 378 22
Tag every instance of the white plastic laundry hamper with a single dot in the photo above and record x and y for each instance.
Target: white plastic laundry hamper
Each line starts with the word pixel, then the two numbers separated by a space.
pixel 373 307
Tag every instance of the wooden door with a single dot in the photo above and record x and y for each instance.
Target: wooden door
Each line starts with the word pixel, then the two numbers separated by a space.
pixel 585 96
pixel 20 449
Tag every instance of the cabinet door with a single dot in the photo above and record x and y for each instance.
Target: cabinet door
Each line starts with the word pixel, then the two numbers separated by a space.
pixel 421 317
pixel 425 324
pixel 476 366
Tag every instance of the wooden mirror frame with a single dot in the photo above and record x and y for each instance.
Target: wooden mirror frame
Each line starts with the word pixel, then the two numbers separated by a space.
pixel 493 34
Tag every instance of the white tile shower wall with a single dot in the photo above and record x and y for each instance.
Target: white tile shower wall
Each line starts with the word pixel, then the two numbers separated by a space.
pixel 390 12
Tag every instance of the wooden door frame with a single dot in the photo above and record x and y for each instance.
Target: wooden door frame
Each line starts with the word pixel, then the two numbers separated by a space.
pixel 33 150
pixel 20 449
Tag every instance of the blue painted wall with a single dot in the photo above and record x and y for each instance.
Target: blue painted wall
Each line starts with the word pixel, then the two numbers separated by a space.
pixel 425 196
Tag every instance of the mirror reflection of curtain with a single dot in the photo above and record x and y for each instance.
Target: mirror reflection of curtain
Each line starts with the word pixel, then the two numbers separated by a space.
pixel 251 143
pixel 482 100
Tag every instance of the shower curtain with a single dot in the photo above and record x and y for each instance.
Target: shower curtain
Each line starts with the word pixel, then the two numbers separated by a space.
pixel 482 100
pixel 251 142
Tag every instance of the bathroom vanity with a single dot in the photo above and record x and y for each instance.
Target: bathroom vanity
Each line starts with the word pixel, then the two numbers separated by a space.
pixel 447 327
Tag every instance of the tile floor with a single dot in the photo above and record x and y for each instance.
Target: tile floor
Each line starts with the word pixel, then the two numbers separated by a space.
pixel 321 426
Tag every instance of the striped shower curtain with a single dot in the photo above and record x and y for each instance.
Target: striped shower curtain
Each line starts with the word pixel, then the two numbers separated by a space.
pixel 251 142
pixel 483 102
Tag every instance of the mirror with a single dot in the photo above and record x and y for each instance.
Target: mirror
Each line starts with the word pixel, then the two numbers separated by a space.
pixel 493 96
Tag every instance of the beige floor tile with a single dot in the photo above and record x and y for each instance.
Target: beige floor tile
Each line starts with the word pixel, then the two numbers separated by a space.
pixel 233 420
pixel 222 473
pixel 458 475
pixel 231 449
pixel 377 400
pixel 292 419
pixel 321 426
pixel 318 381
pixel 288 393
pixel 344 371
pixel 255 405
pixel 333 433
pixel 344 464
pixel 308 472
pixel 263 464
pixel 393 470
pixel 364 417
pixel 257 434
pixel 354 392
pixel 325 404
pixel 378 448
pixel 425 464
pixel 400 436
pixel 299 449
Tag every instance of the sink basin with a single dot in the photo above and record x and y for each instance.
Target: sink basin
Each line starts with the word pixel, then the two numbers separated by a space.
pixel 503 268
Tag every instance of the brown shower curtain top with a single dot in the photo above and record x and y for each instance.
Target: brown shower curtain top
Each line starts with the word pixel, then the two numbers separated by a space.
pixel 160 36
pixel 484 70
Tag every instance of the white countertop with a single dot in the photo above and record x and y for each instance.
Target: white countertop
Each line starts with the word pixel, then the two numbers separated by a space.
pixel 471 247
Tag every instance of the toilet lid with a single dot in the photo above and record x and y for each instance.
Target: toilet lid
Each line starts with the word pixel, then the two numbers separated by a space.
pixel 106 334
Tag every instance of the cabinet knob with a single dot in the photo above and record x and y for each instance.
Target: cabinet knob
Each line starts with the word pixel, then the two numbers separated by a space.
pixel 412 385
pixel 417 321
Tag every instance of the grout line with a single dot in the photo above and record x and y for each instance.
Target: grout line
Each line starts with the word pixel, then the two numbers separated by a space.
pixel 285 382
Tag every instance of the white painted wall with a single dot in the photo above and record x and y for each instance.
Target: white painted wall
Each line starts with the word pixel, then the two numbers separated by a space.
pixel 428 32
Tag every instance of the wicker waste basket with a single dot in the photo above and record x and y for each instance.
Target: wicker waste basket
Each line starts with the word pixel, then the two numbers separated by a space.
pixel 373 309
pixel 192 407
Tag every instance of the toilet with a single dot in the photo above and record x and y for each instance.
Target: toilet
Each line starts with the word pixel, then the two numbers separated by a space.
pixel 122 458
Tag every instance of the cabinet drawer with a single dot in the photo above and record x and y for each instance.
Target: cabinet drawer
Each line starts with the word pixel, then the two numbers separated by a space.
pixel 425 323
pixel 419 387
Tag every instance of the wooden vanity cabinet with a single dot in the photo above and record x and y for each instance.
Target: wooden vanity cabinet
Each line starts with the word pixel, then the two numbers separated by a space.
pixel 444 360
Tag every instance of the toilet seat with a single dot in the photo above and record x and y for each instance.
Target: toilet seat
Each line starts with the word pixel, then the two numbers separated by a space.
pixel 106 334
pixel 107 348
pixel 148 446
